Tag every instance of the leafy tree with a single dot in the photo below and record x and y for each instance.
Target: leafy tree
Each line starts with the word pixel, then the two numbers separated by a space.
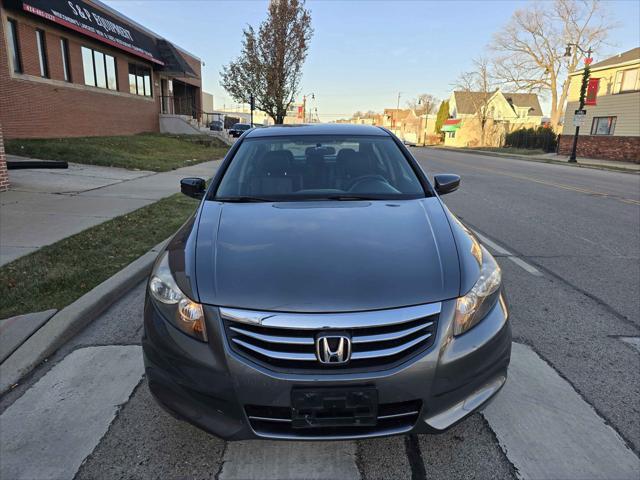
pixel 443 114
pixel 270 64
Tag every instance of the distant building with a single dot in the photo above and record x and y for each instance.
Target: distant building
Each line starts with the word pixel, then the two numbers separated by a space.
pixel 611 129
pixel 503 112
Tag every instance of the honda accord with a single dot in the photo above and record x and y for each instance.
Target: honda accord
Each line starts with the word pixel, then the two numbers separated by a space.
pixel 322 290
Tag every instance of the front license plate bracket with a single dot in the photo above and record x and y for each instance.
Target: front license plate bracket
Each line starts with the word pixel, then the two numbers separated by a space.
pixel 334 407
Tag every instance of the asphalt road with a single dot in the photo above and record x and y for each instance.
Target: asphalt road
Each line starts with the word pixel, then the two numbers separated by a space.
pixel 568 241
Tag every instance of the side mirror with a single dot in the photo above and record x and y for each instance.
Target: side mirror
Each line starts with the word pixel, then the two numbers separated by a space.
pixel 193 187
pixel 446 183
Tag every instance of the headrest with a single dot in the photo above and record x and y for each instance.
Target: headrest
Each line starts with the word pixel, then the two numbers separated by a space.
pixel 276 162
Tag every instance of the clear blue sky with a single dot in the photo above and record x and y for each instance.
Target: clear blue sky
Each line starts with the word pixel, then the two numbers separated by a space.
pixel 363 52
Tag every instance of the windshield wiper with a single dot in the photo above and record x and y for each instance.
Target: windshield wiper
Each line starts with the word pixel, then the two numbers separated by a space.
pixel 243 199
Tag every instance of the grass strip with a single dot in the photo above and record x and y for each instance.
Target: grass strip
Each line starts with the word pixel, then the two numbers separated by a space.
pixel 148 151
pixel 56 275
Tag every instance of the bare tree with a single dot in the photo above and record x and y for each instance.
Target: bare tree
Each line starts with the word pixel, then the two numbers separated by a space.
pixel 424 104
pixel 530 48
pixel 270 65
pixel 478 88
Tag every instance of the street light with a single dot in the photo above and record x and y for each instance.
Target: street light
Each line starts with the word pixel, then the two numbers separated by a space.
pixel 583 91
pixel 304 105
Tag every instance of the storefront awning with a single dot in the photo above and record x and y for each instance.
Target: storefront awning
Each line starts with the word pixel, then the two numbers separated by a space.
pixel 451 125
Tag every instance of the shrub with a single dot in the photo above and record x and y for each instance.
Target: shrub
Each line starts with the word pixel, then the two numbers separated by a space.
pixel 540 138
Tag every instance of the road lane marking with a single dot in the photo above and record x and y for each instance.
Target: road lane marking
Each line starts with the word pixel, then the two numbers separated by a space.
pixel 548 431
pixel 49 431
pixel 555 184
pixel 502 251
pixel 633 341
pixel 277 460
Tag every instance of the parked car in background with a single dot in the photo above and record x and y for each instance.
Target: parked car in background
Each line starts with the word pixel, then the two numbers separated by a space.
pixel 323 291
pixel 238 129
pixel 216 126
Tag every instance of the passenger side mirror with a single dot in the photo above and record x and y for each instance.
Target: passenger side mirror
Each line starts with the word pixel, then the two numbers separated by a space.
pixel 193 187
pixel 446 183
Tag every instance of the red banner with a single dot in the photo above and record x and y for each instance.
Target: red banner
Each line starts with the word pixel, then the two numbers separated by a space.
pixel 592 91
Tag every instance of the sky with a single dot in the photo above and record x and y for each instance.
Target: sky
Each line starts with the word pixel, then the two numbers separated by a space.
pixel 363 52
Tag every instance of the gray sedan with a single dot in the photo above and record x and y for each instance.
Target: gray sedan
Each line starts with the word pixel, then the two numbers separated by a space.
pixel 322 290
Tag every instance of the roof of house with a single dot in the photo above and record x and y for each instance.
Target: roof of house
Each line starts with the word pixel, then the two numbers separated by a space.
pixel 468 102
pixel 628 56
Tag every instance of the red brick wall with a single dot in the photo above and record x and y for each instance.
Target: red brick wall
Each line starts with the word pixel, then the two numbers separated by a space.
pixel 4 176
pixel 624 149
pixel 39 108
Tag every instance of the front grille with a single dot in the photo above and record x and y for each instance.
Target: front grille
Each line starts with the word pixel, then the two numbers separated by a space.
pixel 276 422
pixel 380 339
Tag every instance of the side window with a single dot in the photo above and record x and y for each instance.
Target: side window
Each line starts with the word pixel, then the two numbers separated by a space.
pixel 14 46
pixel 42 53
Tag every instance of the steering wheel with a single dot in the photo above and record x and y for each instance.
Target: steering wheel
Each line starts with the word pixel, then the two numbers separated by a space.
pixel 365 178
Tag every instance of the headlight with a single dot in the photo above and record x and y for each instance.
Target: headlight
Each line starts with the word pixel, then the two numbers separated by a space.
pixel 181 311
pixel 472 307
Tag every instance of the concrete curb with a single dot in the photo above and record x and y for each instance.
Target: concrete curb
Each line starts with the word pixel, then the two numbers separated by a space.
pixel 515 156
pixel 73 318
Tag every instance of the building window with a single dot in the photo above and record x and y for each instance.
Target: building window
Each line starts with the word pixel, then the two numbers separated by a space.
pixel 627 81
pixel 42 54
pixel 603 125
pixel 99 69
pixel 451 134
pixel 64 49
pixel 14 47
pixel 139 80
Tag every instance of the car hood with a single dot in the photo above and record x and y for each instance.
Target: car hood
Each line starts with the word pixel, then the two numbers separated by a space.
pixel 325 256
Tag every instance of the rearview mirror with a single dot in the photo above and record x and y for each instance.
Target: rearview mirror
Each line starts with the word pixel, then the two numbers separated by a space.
pixel 446 183
pixel 193 187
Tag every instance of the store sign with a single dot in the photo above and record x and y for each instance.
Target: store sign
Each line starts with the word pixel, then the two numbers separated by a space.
pixel 86 19
pixel 579 117
pixel 591 97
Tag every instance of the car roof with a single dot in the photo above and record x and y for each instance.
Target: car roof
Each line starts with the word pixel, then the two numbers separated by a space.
pixel 317 129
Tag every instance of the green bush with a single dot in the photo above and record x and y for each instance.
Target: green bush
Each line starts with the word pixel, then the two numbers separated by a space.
pixel 540 138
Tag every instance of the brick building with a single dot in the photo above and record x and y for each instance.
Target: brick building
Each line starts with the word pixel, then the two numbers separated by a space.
pixel 80 68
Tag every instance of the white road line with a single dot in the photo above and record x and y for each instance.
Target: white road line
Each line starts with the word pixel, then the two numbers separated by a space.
pixel 56 424
pixel 276 460
pixel 502 251
pixel 549 432
pixel 633 341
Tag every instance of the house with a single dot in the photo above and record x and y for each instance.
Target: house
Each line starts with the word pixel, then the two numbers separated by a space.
pixel 499 111
pixel 611 129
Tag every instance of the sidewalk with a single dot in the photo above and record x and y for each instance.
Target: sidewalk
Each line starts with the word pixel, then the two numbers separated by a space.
pixel 45 206
pixel 557 159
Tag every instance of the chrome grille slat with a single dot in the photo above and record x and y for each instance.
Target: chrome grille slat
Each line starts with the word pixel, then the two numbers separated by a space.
pixel 278 355
pixel 287 341
pixel 382 337
pixel 387 352
pixel 319 321
pixel 274 338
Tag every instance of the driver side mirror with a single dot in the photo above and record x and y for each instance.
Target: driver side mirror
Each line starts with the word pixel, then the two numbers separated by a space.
pixel 446 183
pixel 193 187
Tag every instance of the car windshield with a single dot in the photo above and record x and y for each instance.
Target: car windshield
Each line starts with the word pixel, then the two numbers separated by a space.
pixel 241 126
pixel 319 167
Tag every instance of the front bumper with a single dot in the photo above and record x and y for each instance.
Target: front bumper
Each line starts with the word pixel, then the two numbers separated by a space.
pixel 213 388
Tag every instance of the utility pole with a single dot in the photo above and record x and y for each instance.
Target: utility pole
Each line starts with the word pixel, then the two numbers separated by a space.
pixel 398 105
pixel 583 92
